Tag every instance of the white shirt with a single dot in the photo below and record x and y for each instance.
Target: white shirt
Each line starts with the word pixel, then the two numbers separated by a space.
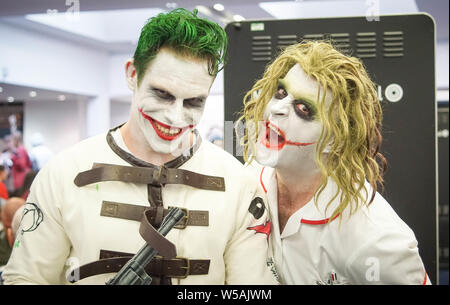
pixel 70 230
pixel 373 246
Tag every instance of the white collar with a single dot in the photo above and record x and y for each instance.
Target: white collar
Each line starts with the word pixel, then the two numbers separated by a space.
pixel 118 138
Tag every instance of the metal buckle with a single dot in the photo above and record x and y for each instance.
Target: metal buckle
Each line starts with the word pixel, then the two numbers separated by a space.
pixel 184 220
pixel 187 268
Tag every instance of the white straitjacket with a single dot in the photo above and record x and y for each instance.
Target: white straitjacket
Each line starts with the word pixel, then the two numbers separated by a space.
pixel 374 246
pixel 70 231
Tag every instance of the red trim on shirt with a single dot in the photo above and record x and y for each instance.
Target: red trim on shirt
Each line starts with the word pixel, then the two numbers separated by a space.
pixel 425 279
pixel 318 222
pixel 260 179
pixel 3 191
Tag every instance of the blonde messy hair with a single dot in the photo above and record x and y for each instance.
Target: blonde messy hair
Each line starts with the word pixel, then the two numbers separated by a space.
pixel 351 125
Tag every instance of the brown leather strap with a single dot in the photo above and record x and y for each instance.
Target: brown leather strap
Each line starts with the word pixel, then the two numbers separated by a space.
pixel 153 238
pixel 154 195
pixel 134 212
pixel 196 266
pixel 153 176
pixel 123 211
pixel 158 267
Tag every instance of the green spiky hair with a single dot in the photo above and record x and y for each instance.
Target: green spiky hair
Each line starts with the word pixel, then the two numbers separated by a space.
pixel 185 33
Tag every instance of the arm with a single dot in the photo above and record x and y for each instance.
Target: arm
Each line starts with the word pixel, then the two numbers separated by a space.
pixel 390 257
pixel 41 248
pixel 247 252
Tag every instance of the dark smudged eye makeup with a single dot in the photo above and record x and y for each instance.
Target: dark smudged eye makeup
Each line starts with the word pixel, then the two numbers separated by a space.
pixel 304 110
pixel 162 94
pixel 281 93
pixel 194 102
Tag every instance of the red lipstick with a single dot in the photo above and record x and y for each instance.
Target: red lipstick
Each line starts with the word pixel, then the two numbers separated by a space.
pixel 276 139
pixel 159 128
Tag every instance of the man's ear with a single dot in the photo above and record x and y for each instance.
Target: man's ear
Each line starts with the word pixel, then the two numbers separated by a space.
pixel 130 74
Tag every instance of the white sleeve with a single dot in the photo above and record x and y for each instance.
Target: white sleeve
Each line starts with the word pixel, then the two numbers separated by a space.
pixel 390 257
pixel 247 253
pixel 41 247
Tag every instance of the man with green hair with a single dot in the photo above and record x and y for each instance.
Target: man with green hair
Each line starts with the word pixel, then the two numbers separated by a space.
pixel 84 211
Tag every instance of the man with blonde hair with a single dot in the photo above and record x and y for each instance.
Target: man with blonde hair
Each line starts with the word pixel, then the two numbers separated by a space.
pixel 314 125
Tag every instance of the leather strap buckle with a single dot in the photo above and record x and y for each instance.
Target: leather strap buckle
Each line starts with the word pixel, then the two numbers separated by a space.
pixel 182 224
pixel 159 177
pixel 186 268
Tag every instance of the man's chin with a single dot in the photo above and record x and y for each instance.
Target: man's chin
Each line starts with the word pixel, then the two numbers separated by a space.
pixel 267 157
pixel 164 148
pixel 174 147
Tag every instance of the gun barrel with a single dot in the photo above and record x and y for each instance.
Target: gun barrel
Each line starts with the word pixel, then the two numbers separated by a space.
pixel 133 272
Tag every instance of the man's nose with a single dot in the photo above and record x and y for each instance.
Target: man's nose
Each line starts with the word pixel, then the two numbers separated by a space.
pixel 175 114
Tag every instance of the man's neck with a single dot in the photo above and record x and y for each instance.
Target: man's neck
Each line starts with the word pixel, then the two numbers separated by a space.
pixel 138 146
pixel 297 189
pixel 294 192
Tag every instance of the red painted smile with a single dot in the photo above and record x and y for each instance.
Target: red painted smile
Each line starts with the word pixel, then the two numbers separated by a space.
pixel 276 139
pixel 165 131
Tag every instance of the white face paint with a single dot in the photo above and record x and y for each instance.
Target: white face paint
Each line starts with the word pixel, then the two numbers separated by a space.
pixel 170 100
pixel 291 128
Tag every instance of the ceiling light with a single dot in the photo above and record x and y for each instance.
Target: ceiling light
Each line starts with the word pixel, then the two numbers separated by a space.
pixel 238 18
pixel 33 94
pixel 171 5
pixel 61 98
pixel 10 99
pixel 218 7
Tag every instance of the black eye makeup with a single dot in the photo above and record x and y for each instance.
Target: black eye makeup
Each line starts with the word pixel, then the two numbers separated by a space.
pixel 194 102
pixel 281 93
pixel 162 94
pixel 304 110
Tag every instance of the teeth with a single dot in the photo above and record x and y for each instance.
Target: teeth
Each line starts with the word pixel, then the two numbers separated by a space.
pixel 167 131
pixel 276 130
pixel 175 131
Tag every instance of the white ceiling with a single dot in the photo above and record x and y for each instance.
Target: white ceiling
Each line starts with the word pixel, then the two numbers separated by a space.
pixel 343 8
pixel 114 25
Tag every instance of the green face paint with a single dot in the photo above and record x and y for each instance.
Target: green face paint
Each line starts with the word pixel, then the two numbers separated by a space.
pixel 297 92
pixel 305 105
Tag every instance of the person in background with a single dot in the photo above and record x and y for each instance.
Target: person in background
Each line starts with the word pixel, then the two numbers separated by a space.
pixel 215 136
pixel 39 153
pixel 23 191
pixel 5 160
pixel 4 195
pixel 21 163
pixel 7 235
